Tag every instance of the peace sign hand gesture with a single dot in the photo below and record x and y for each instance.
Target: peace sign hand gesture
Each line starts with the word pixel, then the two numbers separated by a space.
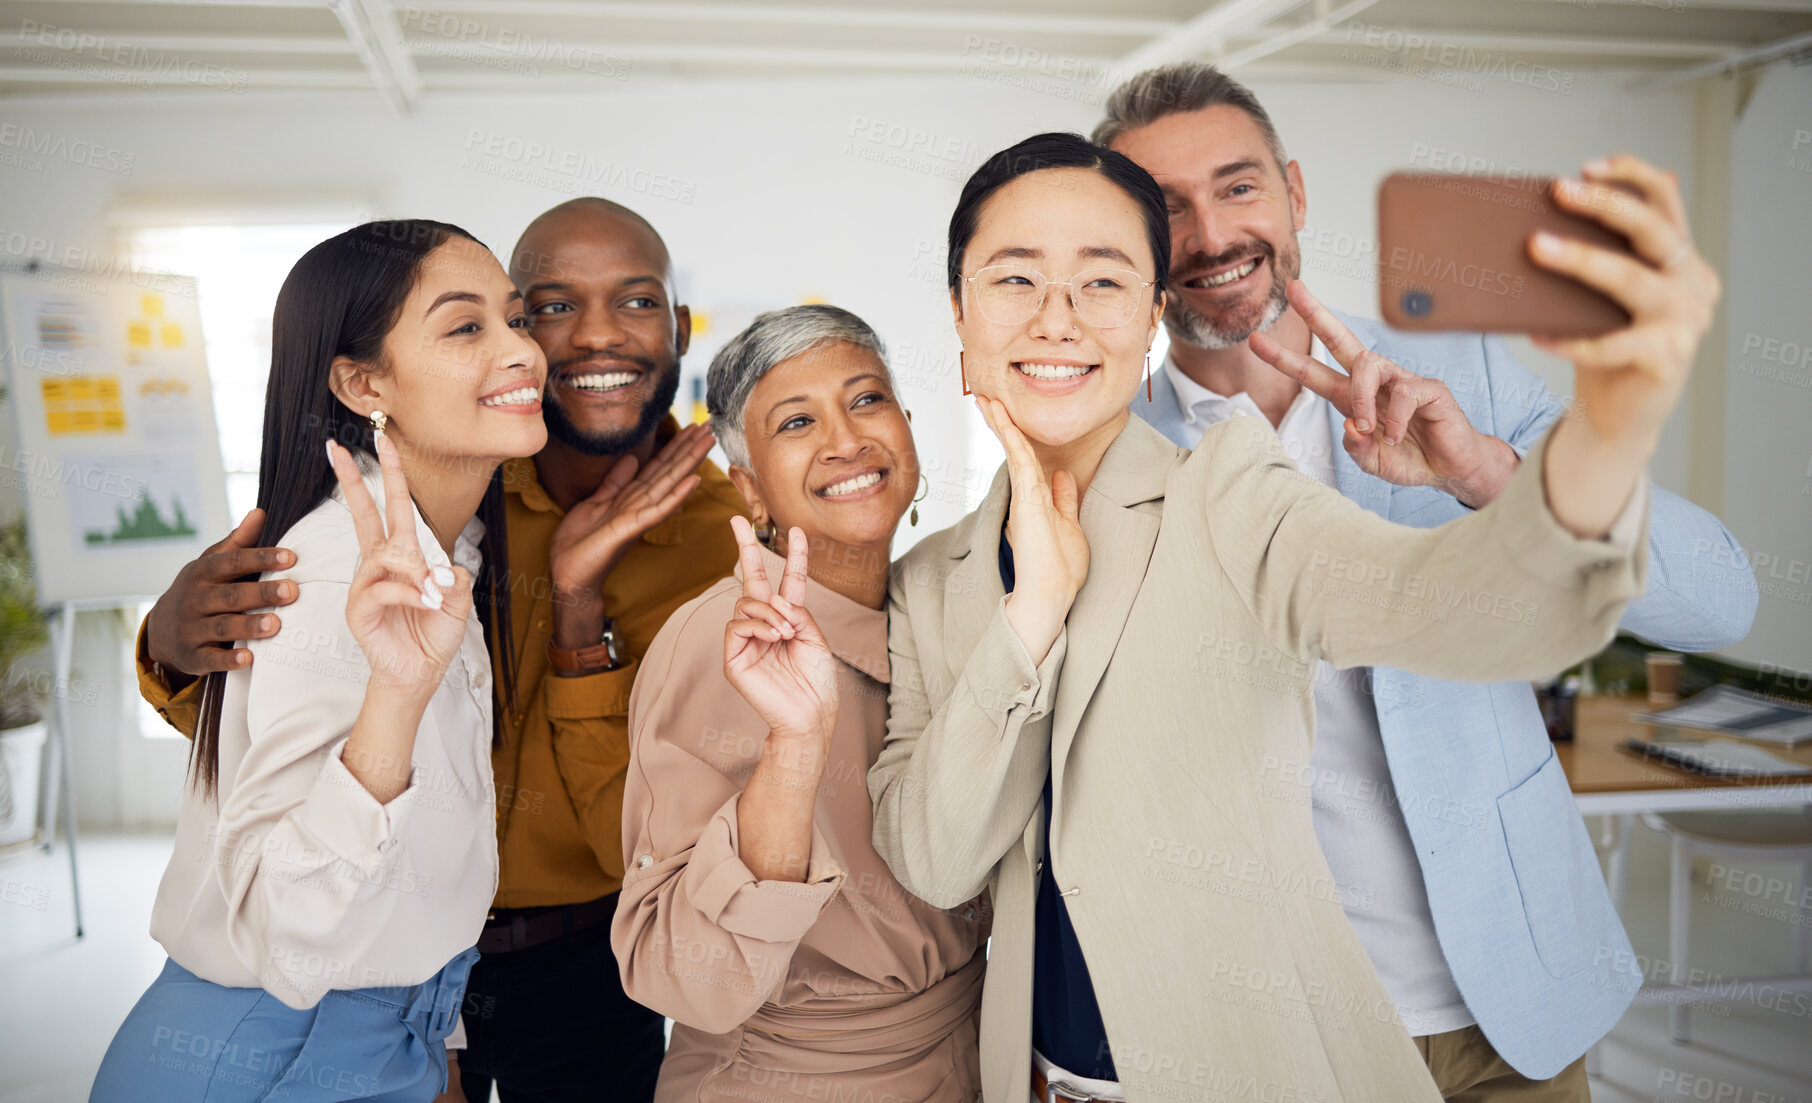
pixel 409 619
pixel 1404 428
pixel 774 654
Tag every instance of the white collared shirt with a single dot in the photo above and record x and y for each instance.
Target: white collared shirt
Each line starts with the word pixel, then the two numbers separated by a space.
pixel 1362 833
pixel 295 879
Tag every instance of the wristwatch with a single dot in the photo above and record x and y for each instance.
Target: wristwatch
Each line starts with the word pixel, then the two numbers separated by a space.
pixel 599 657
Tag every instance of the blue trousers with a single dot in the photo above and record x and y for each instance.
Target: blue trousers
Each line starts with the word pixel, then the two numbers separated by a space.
pixel 190 1040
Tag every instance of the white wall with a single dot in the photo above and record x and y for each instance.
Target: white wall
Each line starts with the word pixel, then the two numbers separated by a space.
pixel 773 192
pixel 1768 399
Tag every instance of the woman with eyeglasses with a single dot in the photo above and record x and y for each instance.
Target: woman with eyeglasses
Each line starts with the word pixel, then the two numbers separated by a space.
pixel 1095 673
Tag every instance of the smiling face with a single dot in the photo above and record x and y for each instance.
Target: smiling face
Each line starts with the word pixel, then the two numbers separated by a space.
pixel 830 450
pixel 1234 216
pixel 596 284
pixel 1060 378
pixel 460 378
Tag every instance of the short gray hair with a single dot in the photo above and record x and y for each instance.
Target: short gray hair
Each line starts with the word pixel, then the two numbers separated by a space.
pixel 772 339
pixel 1176 89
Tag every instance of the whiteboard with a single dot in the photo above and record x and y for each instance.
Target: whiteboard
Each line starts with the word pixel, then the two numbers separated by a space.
pixel 117 455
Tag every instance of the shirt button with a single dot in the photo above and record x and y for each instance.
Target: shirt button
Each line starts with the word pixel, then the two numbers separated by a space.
pixel 968 915
pixel 644 861
pixel 480 678
pixel 1025 687
pixel 542 625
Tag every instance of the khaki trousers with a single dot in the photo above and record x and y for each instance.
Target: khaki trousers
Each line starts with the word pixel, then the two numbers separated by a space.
pixel 1468 1070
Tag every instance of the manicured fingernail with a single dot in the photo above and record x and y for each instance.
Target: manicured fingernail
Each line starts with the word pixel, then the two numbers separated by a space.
pixel 1547 244
pixel 265 624
pixel 430 598
pixel 1597 166
pixel 330 453
pixel 1362 425
pixel 443 575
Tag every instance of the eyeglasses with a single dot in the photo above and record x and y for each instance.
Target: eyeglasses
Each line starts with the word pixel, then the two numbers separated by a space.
pixel 1012 294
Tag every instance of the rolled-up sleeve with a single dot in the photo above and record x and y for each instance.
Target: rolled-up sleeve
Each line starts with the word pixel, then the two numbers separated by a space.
pixel 182 709
pixel 697 937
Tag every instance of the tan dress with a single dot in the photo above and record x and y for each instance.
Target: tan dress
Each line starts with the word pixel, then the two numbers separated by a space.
pixel 844 987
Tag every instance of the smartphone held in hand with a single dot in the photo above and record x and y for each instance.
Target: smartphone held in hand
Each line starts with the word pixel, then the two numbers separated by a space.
pixel 1453 255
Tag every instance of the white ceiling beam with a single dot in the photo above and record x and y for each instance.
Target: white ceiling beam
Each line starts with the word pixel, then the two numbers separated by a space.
pixel 1324 23
pixel 1669 7
pixel 263 78
pixel 1206 34
pixel 805 57
pixel 1519 43
pixel 375 33
pixel 829 15
pixel 210 43
pixel 1780 47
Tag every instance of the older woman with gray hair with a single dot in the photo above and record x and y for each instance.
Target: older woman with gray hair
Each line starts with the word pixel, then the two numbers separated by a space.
pixel 755 911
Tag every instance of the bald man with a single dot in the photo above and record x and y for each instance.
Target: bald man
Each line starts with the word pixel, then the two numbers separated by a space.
pixel 612 526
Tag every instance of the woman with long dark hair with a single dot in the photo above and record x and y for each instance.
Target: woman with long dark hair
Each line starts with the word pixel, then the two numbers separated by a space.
pixel 1096 674
pixel 336 850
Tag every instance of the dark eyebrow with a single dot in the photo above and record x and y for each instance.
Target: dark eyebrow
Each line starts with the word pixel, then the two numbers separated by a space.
pixel 1105 252
pixel 1234 167
pixel 453 297
pixel 850 382
pixel 1015 252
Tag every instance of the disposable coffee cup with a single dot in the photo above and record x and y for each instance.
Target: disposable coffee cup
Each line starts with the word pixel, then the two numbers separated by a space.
pixel 1664 677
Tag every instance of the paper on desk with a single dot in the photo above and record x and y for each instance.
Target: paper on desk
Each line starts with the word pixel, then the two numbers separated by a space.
pixel 1720 758
pixel 1731 711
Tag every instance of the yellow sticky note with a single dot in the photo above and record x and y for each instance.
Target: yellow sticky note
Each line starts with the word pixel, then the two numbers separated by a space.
pixel 113 420
pixel 151 306
pixel 60 422
pixel 107 387
pixel 172 335
pixel 138 334
pixel 53 390
pixel 81 389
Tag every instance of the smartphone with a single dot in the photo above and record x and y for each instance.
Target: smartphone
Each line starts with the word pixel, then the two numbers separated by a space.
pixel 1453 254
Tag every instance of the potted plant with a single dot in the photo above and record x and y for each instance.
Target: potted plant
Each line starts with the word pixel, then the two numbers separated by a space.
pixel 23 631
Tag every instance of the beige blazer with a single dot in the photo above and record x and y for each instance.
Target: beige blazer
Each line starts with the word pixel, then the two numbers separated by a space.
pixel 1168 714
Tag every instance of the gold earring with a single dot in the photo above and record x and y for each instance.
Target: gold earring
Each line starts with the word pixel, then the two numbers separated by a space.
pixel 766 532
pixel 923 494
pixel 378 421
pixel 962 372
pixel 1147 375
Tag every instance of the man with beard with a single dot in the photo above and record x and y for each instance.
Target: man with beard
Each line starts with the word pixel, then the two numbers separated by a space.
pixel 1445 819
pixel 617 522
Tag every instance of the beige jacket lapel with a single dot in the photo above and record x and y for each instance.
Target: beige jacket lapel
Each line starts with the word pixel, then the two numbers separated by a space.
pixel 974 578
pixel 1121 524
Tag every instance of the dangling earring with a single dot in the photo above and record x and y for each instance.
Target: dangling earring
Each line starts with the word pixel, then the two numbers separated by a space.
pixel 923 494
pixel 378 421
pixel 962 372
pixel 765 533
pixel 1148 375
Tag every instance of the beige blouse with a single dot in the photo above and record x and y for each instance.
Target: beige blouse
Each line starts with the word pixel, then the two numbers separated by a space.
pixel 296 880
pixel 844 983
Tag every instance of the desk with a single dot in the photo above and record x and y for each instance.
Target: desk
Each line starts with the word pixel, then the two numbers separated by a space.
pixel 1610 780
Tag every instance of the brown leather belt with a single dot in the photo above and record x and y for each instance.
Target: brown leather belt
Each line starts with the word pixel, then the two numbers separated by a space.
pixel 507 930
pixel 1044 1093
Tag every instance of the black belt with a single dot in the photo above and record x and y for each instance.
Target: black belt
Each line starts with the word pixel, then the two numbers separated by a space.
pixel 509 929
